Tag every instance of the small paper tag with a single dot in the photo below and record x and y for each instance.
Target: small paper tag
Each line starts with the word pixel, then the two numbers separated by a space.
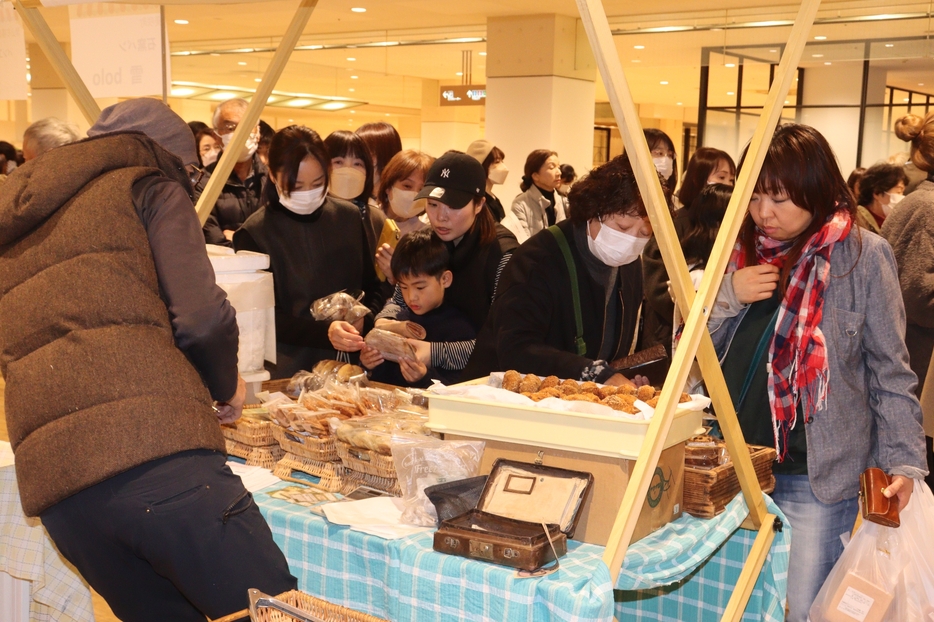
pixel 855 604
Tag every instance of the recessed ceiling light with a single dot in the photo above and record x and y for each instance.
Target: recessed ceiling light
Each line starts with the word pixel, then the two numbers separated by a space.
pixel 481 54
pixel 257 79
pixel 214 54
pixel 353 112
pixel 827 62
pixel 639 47
pixel 182 92
pixel 636 60
pixel 890 45
pixel 820 38
pixel 680 104
pixel 920 83
pixel 181 22
pixel 358 9
pixel 730 65
pixel 773 51
pixel 354 77
pixel 351 58
pixel 459 73
pixel 242 63
pixel 351 90
pixel 291 120
pixel 387 114
pixel 817 56
pixel 730 93
pixel 906 99
pixel 664 82
pixel 787 102
pixel 298 103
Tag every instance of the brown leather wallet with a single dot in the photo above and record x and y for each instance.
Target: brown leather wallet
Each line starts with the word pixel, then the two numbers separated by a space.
pixel 876 506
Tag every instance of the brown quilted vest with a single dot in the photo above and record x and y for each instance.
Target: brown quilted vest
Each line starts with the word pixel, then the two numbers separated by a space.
pixel 94 382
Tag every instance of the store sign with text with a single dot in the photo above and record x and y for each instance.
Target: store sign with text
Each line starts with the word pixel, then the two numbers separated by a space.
pixel 463 95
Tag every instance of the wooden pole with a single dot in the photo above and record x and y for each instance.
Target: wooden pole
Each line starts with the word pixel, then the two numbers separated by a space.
pixel 60 62
pixel 251 116
pixel 598 32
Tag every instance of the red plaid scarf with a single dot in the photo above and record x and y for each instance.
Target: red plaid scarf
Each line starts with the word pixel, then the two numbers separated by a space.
pixel 798 353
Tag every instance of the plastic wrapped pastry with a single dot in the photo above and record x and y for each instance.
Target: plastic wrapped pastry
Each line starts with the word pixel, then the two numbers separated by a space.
pixel 392 346
pixel 339 306
pixel 410 330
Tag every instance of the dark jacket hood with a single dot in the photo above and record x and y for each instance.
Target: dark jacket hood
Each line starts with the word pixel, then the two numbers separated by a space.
pixel 155 120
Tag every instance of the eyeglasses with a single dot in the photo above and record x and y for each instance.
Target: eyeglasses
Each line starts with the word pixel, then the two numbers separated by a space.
pixel 195 173
pixel 227 127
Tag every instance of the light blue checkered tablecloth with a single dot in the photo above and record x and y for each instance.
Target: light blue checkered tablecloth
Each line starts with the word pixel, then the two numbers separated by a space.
pixel 405 580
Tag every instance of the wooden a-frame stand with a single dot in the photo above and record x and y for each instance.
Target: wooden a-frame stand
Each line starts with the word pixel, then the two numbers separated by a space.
pixel 693 307
pixel 32 18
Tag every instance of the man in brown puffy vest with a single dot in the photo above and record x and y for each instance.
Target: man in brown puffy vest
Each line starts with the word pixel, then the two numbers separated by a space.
pixel 116 344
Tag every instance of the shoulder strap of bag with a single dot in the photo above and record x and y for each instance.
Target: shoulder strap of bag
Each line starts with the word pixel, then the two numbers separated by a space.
pixel 764 341
pixel 575 292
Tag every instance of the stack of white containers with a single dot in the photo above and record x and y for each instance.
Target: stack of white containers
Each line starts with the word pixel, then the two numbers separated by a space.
pixel 250 291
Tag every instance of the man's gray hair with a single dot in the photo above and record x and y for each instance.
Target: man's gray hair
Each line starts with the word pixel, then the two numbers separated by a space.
pixel 47 134
pixel 236 103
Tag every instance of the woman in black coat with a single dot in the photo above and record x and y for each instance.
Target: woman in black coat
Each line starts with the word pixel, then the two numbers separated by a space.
pixel 532 327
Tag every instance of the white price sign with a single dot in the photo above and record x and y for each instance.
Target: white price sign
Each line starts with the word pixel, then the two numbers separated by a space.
pixel 118 55
pixel 12 54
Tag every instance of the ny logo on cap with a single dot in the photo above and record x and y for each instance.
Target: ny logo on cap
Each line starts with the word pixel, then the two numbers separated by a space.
pixel 445 172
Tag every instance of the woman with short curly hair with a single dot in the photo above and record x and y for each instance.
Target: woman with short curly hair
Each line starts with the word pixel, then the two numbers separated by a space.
pixel 533 326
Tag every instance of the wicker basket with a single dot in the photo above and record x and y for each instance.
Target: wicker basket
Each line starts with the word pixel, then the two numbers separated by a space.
pixel 309 604
pixel 352 479
pixel 250 432
pixel 708 491
pixel 366 461
pixel 317 449
pixel 265 457
pixel 276 385
pixel 330 473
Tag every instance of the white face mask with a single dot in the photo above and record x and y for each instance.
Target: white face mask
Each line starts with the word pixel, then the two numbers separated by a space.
pixel 498 173
pixel 403 203
pixel 564 189
pixel 894 199
pixel 303 202
pixel 615 248
pixel 10 167
pixel 663 165
pixel 209 157
pixel 249 148
pixel 347 182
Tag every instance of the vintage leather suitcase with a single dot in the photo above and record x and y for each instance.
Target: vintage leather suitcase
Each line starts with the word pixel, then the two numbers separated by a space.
pixel 506 527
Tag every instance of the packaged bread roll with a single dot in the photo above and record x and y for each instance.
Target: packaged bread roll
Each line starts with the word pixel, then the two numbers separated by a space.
pixel 392 346
pixel 406 329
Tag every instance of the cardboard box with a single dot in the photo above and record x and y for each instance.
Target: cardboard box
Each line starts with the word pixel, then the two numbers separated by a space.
pixel 857 600
pixel 662 504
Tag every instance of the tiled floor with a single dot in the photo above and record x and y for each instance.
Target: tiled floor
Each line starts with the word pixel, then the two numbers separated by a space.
pixel 101 610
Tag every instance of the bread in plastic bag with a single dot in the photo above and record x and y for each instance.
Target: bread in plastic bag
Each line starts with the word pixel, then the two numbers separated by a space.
pixel 405 328
pixel 392 346
pixel 339 306
pixel 423 463
pixel 885 574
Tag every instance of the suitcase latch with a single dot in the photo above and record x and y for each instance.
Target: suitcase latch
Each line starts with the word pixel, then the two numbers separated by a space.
pixel 510 553
pixel 482 550
pixel 451 543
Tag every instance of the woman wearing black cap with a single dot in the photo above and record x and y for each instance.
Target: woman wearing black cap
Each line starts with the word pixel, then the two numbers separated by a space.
pixel 479 248
pixel 569 299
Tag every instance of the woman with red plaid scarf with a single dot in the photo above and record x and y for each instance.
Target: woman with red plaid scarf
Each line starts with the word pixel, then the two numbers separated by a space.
pixel 809 326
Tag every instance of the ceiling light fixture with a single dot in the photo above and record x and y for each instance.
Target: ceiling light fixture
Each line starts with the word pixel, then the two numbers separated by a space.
pixel 730 65
pixel 351 90
pixel 459 73
pixel 890 45
pixel 182 92
pixel 181 22
pixel 242 63
pixel 636 60
pixel 257 79
pixel 358 9
pixel 679 104
pixel 298 103
pixel 354 77
pixel 638 47
pixel 820 38
pixel 730 93
pixel 664 82
pixel 481 54
pixel 817 56
pixel 906 99
pixel 828 63
pixel 351 58
pixel 773 51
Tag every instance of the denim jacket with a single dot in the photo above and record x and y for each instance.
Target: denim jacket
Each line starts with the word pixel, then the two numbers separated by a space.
pixel 871 417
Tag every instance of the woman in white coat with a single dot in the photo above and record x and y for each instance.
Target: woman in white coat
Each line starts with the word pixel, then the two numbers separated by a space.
pixel 538 206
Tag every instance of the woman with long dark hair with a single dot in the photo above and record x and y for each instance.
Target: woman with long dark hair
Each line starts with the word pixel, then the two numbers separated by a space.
pixel 809 326
pixel 352 179
pixel 479 249
pixel 316 245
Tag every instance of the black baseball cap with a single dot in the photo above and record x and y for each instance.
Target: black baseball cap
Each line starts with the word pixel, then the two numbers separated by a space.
pixel 454 179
